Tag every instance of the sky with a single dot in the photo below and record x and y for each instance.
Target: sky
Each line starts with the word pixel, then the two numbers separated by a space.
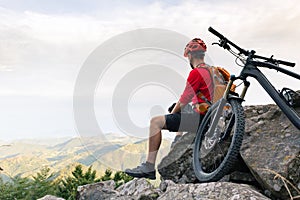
pixel 44 45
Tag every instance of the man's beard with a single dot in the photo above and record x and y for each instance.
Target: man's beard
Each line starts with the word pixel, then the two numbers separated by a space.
pixel 191 66
pixel 191 60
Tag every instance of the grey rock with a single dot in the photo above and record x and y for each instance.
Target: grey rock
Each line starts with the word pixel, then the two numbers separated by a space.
pixel 101 190
pixel 177 165
pixel 244 177
pixel 272 146
pixel 211 191
pixel 140 188
pixel 137 189
pixel 165 184
pixel 50 197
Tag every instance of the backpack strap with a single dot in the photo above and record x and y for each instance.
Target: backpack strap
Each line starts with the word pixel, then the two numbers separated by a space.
pixel 200 94
pixel 203 107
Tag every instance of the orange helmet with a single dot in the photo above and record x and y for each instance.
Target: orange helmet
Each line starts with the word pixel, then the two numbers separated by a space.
pixel 195 44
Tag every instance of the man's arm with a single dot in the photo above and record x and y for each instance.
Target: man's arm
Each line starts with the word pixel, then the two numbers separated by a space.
pixel 192 86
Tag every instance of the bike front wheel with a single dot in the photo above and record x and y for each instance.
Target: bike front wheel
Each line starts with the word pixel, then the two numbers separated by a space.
pixel 216 151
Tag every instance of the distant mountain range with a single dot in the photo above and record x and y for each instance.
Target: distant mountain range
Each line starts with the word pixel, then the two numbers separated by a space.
pixel 27 157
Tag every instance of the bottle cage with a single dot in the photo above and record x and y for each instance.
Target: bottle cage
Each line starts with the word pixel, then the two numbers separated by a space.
pixel 291 97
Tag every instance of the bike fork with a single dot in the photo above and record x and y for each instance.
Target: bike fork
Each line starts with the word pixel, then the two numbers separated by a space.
pixel 222 103
pixel 246 86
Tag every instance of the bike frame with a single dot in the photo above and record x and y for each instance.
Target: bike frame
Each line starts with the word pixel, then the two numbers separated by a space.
pixel 251 70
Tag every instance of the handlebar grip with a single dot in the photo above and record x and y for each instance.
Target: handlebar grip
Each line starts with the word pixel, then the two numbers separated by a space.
pixel 216 33
pixel 275 61
pixel 286 63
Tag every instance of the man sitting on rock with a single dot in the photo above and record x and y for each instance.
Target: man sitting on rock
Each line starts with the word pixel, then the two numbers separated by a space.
pixel 198 81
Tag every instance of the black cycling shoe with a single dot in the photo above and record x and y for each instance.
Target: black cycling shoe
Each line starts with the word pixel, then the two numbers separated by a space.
pixel 145 170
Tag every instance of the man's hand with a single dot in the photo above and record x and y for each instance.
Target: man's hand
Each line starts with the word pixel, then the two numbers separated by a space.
pixel 177 107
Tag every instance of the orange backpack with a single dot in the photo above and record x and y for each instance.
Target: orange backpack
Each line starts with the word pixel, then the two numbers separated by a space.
pixel 220 78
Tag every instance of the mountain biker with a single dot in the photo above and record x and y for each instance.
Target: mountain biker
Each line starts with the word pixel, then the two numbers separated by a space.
pixel 199 80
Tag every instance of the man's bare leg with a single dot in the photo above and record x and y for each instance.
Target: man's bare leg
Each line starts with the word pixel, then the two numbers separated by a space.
pixel 156 125
pixel 147 170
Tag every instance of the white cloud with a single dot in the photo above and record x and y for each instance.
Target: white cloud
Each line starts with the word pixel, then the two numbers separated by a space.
pixel 4 68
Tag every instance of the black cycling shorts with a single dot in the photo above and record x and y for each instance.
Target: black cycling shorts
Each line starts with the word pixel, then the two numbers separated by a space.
pixel 187 120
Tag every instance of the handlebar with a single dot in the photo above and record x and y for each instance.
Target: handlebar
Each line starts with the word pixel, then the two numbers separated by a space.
pixel 224 43
pixel 216 33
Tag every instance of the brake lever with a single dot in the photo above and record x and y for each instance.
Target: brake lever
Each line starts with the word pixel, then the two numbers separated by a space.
pixel 273 61
pixel 223 43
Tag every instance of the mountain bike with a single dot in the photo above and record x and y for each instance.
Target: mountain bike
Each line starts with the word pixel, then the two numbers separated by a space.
pixel 220 134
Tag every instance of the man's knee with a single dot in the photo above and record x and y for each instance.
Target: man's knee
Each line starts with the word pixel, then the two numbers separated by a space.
pixel 158 121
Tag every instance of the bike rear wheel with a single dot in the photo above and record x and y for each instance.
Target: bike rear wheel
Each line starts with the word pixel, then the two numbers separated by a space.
pixel 214 156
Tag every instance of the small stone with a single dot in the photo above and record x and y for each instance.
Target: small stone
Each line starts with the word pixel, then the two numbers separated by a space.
pixel 235 197
pixel 267 193
pixel 276 187
pixel 254 119
pixel 284 125
pixel 261 122
pixel 163 186
pixel 287 135
pixel 50 197
pixel 260 112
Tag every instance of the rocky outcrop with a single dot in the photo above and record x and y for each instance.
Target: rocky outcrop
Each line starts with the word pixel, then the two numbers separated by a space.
pixel 140 189
pixel 101 190
pixel 213 190
pixel 177 165
pixel 271 145
pixel 135 189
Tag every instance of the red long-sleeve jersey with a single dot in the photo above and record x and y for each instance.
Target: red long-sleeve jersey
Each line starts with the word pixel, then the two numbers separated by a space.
pixel 199 80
